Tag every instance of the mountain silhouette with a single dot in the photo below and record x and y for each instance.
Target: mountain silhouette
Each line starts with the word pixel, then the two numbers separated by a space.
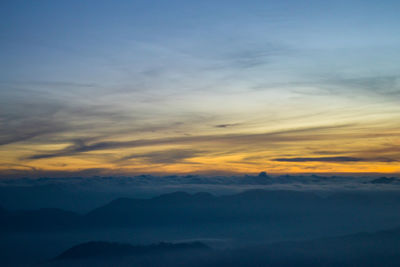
pixel 184 208
pixel 377 210
pixel 42 219
pixel 361 249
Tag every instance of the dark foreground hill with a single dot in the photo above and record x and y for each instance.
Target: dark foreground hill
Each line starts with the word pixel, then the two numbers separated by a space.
pixel 363 249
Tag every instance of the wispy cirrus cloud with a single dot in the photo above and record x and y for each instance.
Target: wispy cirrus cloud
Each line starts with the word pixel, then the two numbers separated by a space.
pixel 334 159
pixel 227 125
pixel 169 156
pixel 250 140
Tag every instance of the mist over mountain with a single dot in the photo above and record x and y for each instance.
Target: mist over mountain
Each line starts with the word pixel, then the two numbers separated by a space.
pixel 199 133
pixel 84 194
pixel 246 223
pixel 386 180
pixel 352 210
pixel 360 249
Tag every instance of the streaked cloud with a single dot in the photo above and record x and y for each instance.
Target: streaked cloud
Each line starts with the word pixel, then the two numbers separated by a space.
pixel 164 156
pixel 175 88
pixel 290 135
pixel 335 159
pixel 227 125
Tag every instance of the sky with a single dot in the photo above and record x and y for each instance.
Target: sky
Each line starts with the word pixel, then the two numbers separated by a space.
pixel 175 87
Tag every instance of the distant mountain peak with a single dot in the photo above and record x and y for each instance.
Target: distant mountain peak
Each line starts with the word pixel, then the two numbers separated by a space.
pixel 385 180
pixel 174 196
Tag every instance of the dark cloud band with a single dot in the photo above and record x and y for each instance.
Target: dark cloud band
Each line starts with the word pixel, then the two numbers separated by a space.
pixel 334 159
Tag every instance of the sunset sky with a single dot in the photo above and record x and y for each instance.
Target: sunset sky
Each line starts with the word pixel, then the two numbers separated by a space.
pixel 173 87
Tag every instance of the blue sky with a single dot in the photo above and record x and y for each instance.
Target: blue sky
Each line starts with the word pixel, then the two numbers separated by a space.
pixel 76 74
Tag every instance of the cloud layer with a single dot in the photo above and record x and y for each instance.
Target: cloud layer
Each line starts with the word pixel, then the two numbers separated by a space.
pixel 155 88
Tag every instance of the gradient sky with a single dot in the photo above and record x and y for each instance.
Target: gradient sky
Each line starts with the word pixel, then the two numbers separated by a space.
pixel 129 87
